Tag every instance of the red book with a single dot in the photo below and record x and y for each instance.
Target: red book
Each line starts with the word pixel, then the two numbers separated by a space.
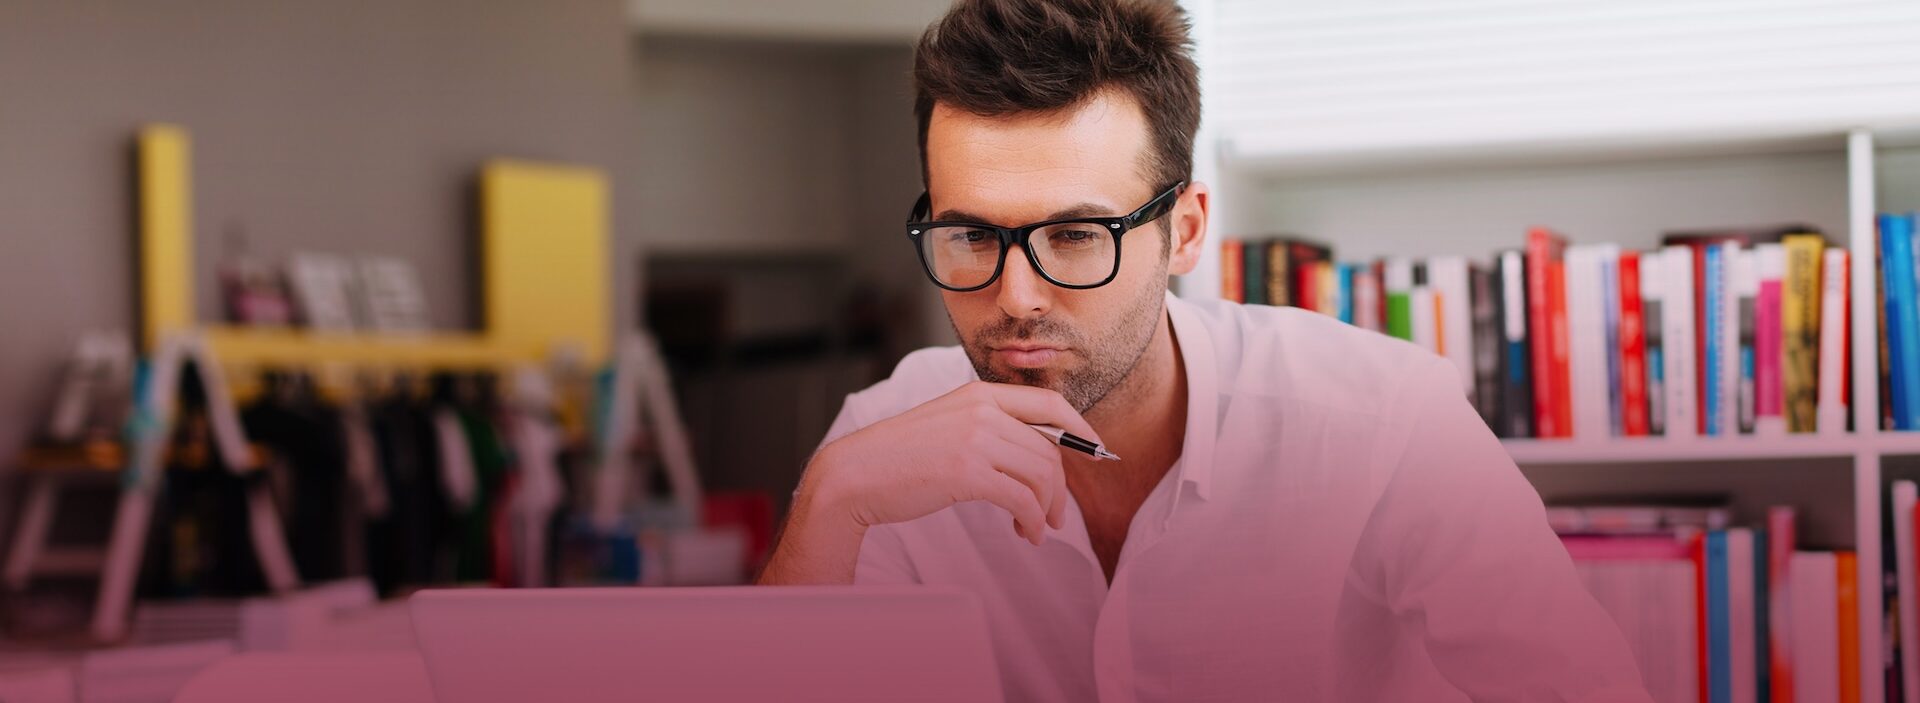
pixel 1780 546
pixel 1552 410
pixel 1699 550
pixel 1633 349
pixel 1306 290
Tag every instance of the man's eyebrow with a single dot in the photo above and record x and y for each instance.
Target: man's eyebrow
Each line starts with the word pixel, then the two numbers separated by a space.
pixel 1073 212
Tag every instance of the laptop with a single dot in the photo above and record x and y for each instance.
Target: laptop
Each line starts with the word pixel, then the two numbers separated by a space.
pixel 789 643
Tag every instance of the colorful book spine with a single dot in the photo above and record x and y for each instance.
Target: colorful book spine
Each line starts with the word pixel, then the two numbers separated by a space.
pixel 1746 293
pixel 1367 298
pixel 1800 329
pixel 1677 310
pixel 1610 325
pixel 1719 623
pixel 1903 321
pixel 1518 399
pixel 1632 350
pixel 1233 271
pixel 1831 406
pixel 1253 278
pixel 1652 296
pixel 1279 275
pixel 1483 288
pixel 1712 359
pixel 1560 346
pixel 1542 248
pixel 1343 291
pixel 1768 404
pixel 1399 289
pixel 1781 523
pixel 1449 278
pixel 1847 597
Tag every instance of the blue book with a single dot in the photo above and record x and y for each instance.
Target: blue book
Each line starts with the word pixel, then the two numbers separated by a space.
pixel 1714 270
pixel 1903 325
pixel 1719 622
pixel 1343 274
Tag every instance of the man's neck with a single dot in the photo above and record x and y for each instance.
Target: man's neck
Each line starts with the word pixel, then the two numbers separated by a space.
pixel 1144 419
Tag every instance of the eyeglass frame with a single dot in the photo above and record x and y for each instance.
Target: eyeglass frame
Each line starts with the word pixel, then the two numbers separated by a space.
pixel 1154 209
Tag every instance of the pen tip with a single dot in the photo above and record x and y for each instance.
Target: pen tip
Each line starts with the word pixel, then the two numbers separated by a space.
pixel 1107 455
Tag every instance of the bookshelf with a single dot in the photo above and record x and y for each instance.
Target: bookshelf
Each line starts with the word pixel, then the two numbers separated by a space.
pixel 1838 178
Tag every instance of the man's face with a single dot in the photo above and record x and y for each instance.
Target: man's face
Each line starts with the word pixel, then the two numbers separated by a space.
pixel 1011 171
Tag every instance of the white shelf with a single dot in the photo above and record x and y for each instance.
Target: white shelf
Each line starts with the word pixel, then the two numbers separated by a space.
pixel 1537 452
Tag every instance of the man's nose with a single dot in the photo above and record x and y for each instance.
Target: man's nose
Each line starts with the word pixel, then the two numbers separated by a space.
pixel 1022 293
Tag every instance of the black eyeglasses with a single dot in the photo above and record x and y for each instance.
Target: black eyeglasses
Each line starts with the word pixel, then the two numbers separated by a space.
pixel 1077 253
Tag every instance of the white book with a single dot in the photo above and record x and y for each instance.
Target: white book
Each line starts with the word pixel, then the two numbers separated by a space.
pixel 1770 261
pixel 1366 299
pixel 1831 413
pixel 1904 496
pixel 1426 331
pixel 1399 276
pixel 1447 275
pixel 1676 322
pixel 1815 594
pixel 1741 630
pixel 1728 371
pixel 1587 341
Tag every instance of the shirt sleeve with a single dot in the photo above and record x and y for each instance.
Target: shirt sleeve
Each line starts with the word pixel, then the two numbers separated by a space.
pixel 1461 554
pixel 883 556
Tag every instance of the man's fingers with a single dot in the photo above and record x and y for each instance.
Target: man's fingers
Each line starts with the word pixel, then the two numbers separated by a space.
pixel 1048 454
pixel 1041 407
pixel 1015 498
pixel 1034 469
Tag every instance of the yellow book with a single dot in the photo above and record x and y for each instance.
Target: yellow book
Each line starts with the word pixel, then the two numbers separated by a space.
pixel 1279 274
pixel 1800 329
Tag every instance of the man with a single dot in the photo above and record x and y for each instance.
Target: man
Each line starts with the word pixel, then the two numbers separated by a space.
pixel 1302 510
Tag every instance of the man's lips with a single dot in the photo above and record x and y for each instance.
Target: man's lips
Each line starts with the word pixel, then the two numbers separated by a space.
pixel 1028 356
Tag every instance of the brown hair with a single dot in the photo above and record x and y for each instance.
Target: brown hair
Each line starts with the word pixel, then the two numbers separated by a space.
pixel 1001 57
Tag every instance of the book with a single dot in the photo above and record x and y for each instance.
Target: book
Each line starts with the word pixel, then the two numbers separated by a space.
pixel 1652 296
pixel 1770 263
pixel 1648 589
pixel 1728 343
pixel 1800 329
pixel 1743 678
pixel 1253 273
pixel 1450 279
pixel 1233 270
pixel 1587 348
pixel 1781 542
pixel 1711 327
pixel 1610 346
pixel 1488 347
pixel 1909 639
pixel 1831 400
pixel 1847 597
pixel 1746 293
pixel 1367 298
pixel 1678 346
pixel 1546 312
pixel 1397 282
pixel 1517 390
pixel 1719 623
pixel 1816 617
pixel 1632 350
pixel 1343 290
pixel 1902 320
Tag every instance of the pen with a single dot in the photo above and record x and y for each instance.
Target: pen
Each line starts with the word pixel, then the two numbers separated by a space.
pixel 1068 440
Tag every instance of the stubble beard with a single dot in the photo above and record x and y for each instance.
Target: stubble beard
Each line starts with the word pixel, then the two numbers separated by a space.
pixel 1110 361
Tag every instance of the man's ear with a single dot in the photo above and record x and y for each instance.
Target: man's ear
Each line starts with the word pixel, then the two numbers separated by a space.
pixel 1187 225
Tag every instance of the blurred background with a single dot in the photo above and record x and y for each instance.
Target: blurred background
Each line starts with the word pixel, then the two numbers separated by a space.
pixel 312 304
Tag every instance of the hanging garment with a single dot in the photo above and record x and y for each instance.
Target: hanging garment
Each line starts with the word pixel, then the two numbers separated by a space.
pixel 306 439
pixel 405 547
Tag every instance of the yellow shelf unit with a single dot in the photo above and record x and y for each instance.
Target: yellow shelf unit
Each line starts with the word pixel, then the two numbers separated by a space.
pixel 544 273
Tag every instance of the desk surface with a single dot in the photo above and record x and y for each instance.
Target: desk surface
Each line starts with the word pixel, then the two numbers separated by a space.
pixel 377 677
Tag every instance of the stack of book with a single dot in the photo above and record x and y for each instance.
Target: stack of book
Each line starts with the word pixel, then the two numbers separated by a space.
pixel 1720 613
pixel 1715 333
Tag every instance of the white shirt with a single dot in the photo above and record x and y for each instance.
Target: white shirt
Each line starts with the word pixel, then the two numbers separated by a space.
pixel 1340 526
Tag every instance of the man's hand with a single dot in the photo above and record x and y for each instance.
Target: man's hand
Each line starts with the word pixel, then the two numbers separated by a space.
pixel 970 444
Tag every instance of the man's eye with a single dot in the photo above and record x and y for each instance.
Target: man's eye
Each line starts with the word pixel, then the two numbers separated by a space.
pixel 1075 238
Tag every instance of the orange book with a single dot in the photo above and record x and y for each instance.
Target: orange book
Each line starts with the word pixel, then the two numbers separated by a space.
pixel 1849 603
pixel 1232 273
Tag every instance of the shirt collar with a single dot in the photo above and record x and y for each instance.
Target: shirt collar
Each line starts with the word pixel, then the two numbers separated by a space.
pixel 1192 338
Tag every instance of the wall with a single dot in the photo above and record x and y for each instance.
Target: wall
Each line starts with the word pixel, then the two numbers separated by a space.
pixel 1478 211
pixel 348 126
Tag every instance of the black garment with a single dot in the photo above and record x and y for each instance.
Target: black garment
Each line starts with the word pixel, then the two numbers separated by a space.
pixel 199 542
pixel 406 547
pixel 306 438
